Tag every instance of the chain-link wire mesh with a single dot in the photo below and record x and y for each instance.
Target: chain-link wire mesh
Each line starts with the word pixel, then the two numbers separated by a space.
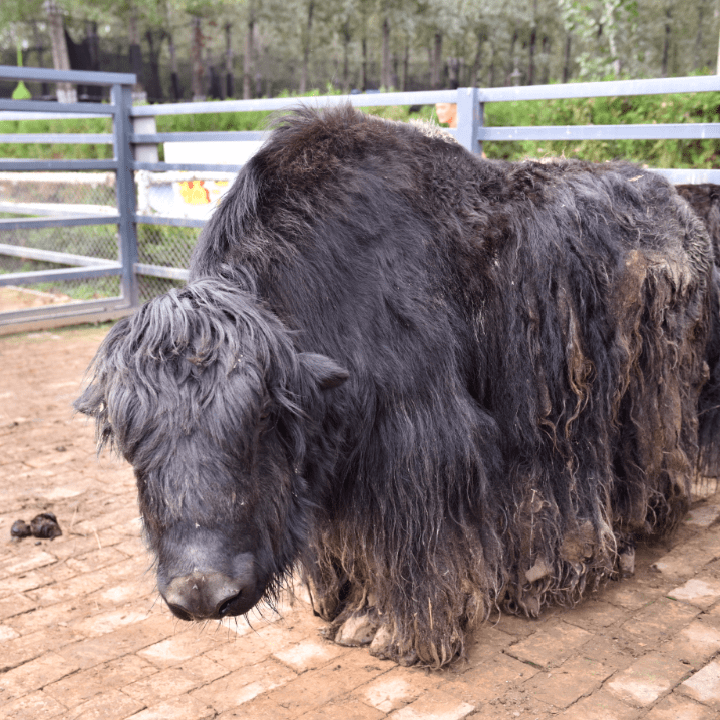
pixel 166 245
pixel 43 194
pixel 95 241
pixel 162 245
pixel 150 287
pixel 76 188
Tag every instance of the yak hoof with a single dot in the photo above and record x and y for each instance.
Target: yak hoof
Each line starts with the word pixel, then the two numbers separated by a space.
pixel 325 605
pixel 627 562
pixel 357 630
pixel 384 648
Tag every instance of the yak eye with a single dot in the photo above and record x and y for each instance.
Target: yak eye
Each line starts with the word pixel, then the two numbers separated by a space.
pixel 265 411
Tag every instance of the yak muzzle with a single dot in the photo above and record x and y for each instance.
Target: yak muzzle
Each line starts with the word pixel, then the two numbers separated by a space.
pixel 210 595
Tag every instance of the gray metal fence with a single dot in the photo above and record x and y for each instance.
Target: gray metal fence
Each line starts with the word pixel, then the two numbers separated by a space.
pixel 131 256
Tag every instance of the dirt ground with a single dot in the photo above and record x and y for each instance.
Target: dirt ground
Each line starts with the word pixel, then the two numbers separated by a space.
pixel 19 298
pixel 83 634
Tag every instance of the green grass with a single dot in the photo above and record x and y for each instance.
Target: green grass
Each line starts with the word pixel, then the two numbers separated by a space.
pixel 647 109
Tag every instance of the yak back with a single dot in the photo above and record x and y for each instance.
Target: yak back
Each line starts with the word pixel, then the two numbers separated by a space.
pixel 404 257
pixel 395 251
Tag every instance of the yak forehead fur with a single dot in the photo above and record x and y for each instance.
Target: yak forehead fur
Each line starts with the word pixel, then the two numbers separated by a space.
pixel 205 366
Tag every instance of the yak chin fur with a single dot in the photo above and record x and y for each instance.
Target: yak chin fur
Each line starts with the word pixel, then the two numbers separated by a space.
pixel 525 347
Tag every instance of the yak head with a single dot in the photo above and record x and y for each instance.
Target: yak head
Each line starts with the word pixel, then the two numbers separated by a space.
pixel 204 394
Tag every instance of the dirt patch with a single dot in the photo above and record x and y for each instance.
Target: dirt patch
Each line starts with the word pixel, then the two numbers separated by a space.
pixel 16 298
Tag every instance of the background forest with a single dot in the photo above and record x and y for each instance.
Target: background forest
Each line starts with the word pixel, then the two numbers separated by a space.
pixel 185 49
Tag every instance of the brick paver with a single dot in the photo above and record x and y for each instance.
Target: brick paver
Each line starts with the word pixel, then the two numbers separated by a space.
pixel 704 685
pixel 648 679
pixel 84 636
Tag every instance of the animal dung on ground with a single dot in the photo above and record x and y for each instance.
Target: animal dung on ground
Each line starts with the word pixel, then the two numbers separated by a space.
pixel 442 384
pixel 44 525
pixel 20 529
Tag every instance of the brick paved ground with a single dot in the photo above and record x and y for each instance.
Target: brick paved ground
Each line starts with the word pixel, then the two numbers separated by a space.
pixel 82 635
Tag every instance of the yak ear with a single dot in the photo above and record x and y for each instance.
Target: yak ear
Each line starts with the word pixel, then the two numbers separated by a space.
pixel 326 372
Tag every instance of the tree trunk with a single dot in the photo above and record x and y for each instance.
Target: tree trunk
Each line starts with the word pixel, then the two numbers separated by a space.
pixel 258 67
pixel 491 69
pixel 174 83
pixel 568 54
pixel 531 57
pixel 248 60
pixel 135 53
pixel 364 64
pixel 153 86
pixel 666 45
pixel 531 49
pixel 198 69
pixel 386 80
pixel 612 32
pixel 346 51
pixel 512 66
pixel 229 72
pixel 477 61
pixel 455 68
pixel 699 36
pixel 547 46
pixel 212 76
pixel 306 48
pixel 66 92
pixel 406 65
pixel 39 52
pixel 92 44
pixel 436 60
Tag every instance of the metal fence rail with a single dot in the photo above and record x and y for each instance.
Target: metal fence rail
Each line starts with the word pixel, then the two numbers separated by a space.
pixel 135 140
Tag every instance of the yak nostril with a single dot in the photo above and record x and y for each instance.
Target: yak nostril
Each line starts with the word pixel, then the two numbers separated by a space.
pixel 179 612
pixel 206 595
pixel 225 607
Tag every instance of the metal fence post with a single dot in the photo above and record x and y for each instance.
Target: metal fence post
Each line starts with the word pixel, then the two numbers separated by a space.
pixel 469 118
pixel 121 96
pixel 481 121
pixel 143 152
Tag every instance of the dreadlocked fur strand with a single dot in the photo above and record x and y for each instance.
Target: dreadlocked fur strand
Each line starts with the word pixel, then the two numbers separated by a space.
pixel 465 385
pixel 705 201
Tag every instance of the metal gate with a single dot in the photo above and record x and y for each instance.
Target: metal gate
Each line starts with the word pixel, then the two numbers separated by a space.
pixel 110 257
pixel 62 245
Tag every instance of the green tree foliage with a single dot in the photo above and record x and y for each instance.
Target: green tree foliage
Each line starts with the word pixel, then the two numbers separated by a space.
pixel 287 44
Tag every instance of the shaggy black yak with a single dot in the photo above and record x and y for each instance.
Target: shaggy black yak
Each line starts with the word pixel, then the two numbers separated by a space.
pixel 442 385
